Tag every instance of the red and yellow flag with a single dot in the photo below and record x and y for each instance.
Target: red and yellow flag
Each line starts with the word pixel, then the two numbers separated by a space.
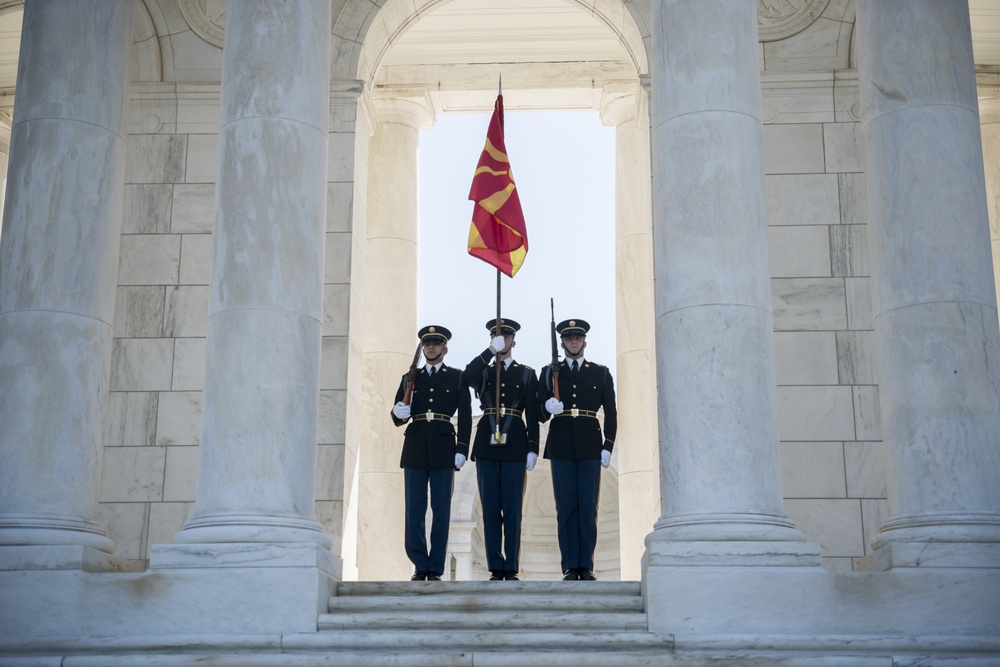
pixel 497 235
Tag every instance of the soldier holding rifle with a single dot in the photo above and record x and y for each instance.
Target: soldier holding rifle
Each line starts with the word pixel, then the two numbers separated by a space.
pixel 427 398
pixel 506 444
pixel 571 393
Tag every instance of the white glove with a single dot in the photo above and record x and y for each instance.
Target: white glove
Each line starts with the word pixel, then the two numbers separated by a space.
pixel 498 344
pixel 401 410
pixel 554 406
pixel 532 457
pixel 605 458
pixel 459 461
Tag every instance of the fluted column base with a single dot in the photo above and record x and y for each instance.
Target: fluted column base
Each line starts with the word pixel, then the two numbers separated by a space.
pixel 936 540
pixel 240 528
pixel 28 530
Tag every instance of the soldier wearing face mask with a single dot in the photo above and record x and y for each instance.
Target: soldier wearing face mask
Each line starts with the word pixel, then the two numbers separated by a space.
pixel 505 446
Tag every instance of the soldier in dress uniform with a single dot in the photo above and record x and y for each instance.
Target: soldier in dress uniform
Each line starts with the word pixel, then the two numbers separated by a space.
pixel 505 447
pixel 576 446
pixel 431 450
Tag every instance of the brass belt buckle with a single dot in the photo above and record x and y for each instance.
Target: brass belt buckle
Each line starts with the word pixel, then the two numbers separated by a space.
pixel 430 415
pixel 574 412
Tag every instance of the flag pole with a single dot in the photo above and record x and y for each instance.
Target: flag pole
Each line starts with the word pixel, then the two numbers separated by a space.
pixel 499 363
pixel 496 384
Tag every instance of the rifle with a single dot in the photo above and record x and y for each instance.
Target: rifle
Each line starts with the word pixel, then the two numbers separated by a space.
pixel 411 375
pixel 555 353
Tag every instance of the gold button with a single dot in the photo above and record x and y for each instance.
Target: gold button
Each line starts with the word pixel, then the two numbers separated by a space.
pixel 432 388
pixel 430 400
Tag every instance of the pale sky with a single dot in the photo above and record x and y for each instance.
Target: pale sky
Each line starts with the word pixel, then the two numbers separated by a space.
pixel 564 167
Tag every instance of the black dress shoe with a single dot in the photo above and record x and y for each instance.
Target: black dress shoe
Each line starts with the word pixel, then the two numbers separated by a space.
pixel 571 575
pixel 433 577
pixel 496 575
pixel 419 575
pixel 510 575
pixel 583 574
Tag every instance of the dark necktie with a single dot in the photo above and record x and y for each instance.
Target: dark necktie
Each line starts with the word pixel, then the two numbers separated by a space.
pixel 575 366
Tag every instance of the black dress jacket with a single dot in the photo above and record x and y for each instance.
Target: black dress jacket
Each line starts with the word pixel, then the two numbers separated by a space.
pixel 586 391
pixel 430 440
pixel 519 409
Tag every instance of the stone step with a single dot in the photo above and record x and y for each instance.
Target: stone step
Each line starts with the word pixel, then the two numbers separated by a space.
pixel 491 588
pixel 484 620
pixel 471 603
pixel 374 658
pixel 458 658
pixel 557 614
pixel 493 649
pixel 504 640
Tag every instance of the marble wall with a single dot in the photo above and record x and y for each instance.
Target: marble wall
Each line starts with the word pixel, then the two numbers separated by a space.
pixel 153 425
pixel 832 461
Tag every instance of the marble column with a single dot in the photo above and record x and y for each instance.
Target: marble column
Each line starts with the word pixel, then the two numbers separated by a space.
pixel 718 421
pixel 59 267
pixel 627 109
pixel 989 119
pixel 935 305
pixel 390 327
pixel 460 549
pixel 258 446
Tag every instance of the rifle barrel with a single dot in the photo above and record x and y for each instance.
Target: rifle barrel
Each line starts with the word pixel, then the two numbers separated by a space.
pixel 555 353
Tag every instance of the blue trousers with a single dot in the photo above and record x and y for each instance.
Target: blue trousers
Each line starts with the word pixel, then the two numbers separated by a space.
pixel 501 492
pixel 577 486
pixel 417 481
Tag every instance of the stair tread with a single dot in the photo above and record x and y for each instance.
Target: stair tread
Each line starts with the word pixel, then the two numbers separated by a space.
pixel 479 639
pixel 375 658
pixel 488 620
pixel 492 588
pixel 473 603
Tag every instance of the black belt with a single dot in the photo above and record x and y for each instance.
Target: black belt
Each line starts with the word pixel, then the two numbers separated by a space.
pixel 430 416
pixel 576 412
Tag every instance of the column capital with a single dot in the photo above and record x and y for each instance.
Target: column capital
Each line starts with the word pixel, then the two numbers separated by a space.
pixel 989 108
pixel 7 107
pixel 618 103
pixel 404 105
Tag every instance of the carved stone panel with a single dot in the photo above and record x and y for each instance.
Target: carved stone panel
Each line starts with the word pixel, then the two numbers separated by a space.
pixel 207 19
pixel 780 19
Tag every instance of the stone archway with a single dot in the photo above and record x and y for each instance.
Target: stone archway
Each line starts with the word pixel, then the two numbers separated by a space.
pixel 397 105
